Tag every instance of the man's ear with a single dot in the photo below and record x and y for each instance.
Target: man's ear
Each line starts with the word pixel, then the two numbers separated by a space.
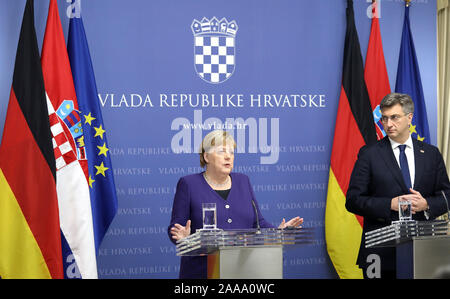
pixel 410 117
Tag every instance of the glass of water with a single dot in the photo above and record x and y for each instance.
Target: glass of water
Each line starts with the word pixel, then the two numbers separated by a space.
pixel 404 209
pixel 209 215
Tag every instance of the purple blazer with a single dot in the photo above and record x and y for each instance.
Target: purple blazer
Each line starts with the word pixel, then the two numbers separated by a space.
pixel 236 212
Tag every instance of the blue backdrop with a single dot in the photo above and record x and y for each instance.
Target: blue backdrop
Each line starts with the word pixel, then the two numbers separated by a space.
pixel 283 87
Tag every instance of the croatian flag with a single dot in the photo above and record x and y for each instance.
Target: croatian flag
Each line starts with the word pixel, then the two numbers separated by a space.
pixel 75 216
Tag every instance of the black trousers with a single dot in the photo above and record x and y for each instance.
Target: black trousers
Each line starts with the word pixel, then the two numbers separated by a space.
pixel 384 274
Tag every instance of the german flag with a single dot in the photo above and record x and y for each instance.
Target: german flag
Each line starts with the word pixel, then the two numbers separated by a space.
pixel 30 237
pixel 354 128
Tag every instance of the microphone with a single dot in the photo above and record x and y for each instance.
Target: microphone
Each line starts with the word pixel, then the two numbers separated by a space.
pixel 257 217
pixel 446 203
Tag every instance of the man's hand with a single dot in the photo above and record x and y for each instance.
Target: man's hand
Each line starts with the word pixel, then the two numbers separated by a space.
pixel 418 203
pixel 394 204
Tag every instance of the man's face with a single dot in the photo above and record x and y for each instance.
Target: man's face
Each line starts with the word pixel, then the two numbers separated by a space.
pixel 396 123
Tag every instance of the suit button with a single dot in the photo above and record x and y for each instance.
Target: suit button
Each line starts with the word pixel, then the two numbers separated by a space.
pixel 229 220
pixel 227 206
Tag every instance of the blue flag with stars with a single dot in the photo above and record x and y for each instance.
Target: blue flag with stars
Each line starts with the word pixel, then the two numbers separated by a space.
pixel 101 181
pixel 409 82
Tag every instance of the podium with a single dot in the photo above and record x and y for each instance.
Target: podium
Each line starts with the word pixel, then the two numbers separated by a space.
pixel 421 246
pixel 243 254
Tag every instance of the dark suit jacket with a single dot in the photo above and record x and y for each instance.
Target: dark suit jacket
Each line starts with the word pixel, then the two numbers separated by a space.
pixel 377 178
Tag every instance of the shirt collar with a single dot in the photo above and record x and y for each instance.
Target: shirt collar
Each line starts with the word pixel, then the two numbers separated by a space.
pixel 408 143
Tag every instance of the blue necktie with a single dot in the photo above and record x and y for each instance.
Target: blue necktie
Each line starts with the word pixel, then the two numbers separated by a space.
pixel 404 166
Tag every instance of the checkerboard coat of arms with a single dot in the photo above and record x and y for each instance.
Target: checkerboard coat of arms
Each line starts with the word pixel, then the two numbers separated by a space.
pixel 214 49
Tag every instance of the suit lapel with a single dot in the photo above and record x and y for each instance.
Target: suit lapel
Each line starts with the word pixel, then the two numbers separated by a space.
pixel 419 160
pixel 391 163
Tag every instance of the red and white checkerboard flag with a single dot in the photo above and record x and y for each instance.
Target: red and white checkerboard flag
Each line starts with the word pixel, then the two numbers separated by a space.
pixel 64 154
pixel 75 213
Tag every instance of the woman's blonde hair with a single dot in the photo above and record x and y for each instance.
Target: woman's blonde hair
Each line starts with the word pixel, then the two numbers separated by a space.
pixel 212 139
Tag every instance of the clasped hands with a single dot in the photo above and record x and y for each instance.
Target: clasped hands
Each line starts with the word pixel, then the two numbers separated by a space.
pixel 418 203
pixel 179 232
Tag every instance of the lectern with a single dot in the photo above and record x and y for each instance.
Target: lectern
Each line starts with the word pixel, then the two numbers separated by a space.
pixel 241 254
pixel 421 246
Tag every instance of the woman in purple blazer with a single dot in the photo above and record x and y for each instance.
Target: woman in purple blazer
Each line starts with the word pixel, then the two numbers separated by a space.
pixel 231 192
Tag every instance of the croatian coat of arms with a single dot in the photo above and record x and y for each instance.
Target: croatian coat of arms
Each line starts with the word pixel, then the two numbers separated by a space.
pixel 214 48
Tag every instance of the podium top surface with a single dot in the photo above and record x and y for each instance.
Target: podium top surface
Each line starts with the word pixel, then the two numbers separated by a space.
pixel 209 241
pixel 399 232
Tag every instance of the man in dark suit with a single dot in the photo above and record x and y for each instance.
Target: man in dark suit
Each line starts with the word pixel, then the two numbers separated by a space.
pixel 394 167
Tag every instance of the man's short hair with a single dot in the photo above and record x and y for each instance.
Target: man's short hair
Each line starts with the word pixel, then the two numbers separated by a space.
pixel 402 99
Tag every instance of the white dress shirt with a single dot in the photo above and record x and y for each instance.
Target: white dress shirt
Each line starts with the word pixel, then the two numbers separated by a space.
pixel 409 152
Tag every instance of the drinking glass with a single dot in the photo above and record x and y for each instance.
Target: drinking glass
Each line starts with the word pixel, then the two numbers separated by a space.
pixel 209 215
pixel 404 209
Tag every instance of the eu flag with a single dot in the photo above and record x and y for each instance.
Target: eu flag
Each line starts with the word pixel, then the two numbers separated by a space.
pixel 409 82
pixel 101 181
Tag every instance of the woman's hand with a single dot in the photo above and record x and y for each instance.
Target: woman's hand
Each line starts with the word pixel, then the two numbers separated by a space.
pixel 179 232
pixel 294 222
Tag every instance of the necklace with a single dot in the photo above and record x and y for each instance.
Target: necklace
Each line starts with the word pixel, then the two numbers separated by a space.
pixel 214 184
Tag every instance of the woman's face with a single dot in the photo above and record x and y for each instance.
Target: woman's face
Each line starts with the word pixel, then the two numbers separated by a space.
pixel 220 159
